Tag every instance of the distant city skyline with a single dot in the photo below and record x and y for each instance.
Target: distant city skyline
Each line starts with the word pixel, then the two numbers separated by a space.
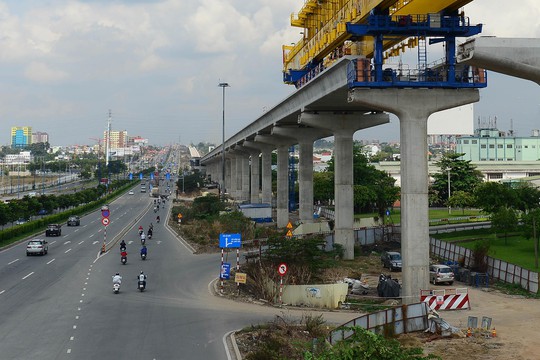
pixel 156 64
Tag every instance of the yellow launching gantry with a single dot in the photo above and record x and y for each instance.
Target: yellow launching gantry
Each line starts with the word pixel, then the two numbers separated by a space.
pixel 325 37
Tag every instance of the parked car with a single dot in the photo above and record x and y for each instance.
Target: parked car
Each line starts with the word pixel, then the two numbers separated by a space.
pixel 21 221
pixel 391 260
pixel 74 221
pixel 42 212
pixel 37 246
pixel 441 274
pixel 53 230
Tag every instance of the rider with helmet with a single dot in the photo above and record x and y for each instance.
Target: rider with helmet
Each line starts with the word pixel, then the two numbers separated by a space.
pixel 157 219
pixel 122 245
pixel 144 250
pixel 117 279
pixel 142 278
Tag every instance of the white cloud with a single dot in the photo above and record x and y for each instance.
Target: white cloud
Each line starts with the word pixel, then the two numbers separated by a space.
pixel 40 72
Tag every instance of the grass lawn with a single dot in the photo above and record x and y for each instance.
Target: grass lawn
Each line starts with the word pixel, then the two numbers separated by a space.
pixel 517 250
pixel 395 215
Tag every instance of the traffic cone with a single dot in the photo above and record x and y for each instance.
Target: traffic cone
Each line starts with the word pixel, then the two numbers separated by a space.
pixel 493 333
pixel 469 333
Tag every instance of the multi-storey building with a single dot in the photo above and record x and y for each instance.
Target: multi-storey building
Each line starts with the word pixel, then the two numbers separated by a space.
pixel 119 139
pixel 21 136
pixel 40 137
pixel 490 144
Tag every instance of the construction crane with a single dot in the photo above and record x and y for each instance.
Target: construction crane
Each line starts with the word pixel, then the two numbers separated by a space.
pixel 325 35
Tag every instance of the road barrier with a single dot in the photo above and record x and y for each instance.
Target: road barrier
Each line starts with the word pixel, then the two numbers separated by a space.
pixel 446 299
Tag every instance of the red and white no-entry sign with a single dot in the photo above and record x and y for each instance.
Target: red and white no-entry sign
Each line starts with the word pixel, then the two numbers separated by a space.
pixel 282 269
pixel 105 221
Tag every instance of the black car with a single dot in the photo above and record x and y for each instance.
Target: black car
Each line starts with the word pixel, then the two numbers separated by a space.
pixel 391 260
pixel 53 230
pixel 74 221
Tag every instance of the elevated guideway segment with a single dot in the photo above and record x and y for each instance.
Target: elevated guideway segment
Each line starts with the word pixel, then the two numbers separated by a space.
pixel 518 57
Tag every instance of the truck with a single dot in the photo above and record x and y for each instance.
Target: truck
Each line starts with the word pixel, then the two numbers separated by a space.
pixel 155 192
pixel 259 213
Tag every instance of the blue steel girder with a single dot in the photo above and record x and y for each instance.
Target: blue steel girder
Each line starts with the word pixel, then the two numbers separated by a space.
pixel 446 27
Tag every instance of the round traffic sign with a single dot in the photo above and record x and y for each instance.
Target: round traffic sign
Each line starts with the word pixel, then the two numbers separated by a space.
pixel 282 269
pixel 105 213
pixel 105 221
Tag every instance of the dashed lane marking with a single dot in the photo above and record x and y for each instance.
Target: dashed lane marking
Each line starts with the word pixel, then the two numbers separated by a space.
pixel 50 261
pixel 14 261
pixel 92 235
pixel 27 275
pixel 67 242
pixel 68 250
pixel 52 242
pixel 81 242
pixel 3 291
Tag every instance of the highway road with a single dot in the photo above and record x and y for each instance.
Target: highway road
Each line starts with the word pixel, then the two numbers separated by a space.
pixel 61 305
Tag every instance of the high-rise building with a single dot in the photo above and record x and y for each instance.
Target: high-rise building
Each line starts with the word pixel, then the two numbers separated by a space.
pixel 21 136
pixel 119 139
pixel 40 137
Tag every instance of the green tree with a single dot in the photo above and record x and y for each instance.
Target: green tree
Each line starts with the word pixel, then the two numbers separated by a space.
pixel 323 186
pixel 504 220
pixel 490 196
pixel 461 199
pixel 527 197
pixel 463 176
pixel 531 229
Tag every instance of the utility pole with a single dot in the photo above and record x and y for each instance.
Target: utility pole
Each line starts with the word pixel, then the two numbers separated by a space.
pixel 108 143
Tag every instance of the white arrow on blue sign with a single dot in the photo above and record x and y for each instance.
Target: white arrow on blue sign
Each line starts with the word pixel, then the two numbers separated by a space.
pixel 230 241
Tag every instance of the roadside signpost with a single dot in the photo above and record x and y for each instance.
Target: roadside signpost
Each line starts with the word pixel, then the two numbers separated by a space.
pixel 230 241
pixel 105 213
pixel 282 270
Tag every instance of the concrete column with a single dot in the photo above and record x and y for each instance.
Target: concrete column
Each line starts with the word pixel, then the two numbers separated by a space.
pixel 266 151
pixel 255 183
pixel 228 172
pixel 233 187
pixel 413 107
pixel 238 175
pixel 343 127
pixel 245 177
pixel 305 138
pixel 282 203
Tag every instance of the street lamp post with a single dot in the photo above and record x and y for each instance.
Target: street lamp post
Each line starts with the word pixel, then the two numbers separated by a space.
pixel 222 190
pixel 449 194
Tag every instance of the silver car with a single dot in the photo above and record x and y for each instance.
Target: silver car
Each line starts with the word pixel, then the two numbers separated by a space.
pixel 37 246
pixel 441 274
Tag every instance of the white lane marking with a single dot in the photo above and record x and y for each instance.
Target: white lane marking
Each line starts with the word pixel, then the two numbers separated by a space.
pixel 65 236
pixel 69 351
pixel 68 250
pixel 52 242
pixel 84 288
pixel 82 294
pixel 27 275
pixel 11 262
pixel 77 317
pixel 76 230
pixel 78 309
pixel 95 242
pixel 92 235
pixel 71 338
pixel 81 242
pixel 85 225
pixel 130 242
pixel 3 291
pixel 50 261
pixel 100 230
pixel 67 242
pixel 158 242
pixel 80 301
pixel 74 326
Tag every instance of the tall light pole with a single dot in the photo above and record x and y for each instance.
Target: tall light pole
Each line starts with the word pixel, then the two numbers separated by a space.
pixel 449 194
pixel 222 190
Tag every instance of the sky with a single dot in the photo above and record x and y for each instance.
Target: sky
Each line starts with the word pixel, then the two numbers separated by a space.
pixel 156 65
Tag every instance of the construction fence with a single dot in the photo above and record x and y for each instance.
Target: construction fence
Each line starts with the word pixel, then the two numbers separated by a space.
pixel 497 269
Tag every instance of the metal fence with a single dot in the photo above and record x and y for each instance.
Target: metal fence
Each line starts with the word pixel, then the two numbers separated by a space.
pixel 403 319
pixel 497 269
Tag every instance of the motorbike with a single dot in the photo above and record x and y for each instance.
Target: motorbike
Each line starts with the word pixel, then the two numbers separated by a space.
pixel 141 286
pixel 140 232
pixel 116 288
pixel 122 248
pixel 149 235
pixel 143 241
pixel 123 259
pixel 143 256
pixel 157 220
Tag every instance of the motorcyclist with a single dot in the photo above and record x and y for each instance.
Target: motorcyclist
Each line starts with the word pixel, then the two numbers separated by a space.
pixel 157 219
pixel 144 251
pixel 140 230
pixel 142 278
pixel 151 227
pixel 122 245
pixel 123 254
pixel 150 233
pixel 143 236
pixel 117 279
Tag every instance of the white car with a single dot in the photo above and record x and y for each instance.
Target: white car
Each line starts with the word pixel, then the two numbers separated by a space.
pixel 131 192
pixel 441 274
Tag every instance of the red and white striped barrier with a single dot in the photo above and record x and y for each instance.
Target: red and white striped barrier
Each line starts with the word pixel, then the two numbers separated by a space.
pixel 448 299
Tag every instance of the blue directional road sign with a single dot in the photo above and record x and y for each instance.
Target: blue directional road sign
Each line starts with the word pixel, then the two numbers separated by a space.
pixel 151 176
pixel 225 272
pixel 140 176
pixel 130 176
pixel 229 241
pixel 168 176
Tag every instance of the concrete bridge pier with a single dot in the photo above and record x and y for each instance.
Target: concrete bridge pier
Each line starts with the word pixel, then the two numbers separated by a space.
pixel 266 168
pixel 227 173
pixel 305 138
pixel 343 126
pixel 413 107
pixel 282 203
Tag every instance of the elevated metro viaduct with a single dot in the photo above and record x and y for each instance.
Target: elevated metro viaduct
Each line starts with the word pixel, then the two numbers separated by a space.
pixel 342 99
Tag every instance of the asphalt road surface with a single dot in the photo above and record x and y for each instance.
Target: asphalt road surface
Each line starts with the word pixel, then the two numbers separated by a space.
pixel 61 305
